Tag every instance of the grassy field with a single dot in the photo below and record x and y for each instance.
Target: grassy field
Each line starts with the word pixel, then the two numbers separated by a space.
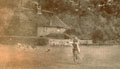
pixel 46 57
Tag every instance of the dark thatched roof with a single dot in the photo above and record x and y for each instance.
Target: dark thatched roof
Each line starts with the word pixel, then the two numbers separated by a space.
pixel 50 21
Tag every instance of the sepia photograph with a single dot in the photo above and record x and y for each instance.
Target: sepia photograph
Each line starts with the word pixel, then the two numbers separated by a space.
pixel 59 34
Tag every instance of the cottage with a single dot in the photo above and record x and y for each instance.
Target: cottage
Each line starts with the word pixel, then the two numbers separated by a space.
pixel 50 25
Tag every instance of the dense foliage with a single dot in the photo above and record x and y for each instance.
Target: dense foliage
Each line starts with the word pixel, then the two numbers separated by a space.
pixel 89 17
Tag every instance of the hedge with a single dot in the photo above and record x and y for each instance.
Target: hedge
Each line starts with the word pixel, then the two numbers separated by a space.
pixel 24 40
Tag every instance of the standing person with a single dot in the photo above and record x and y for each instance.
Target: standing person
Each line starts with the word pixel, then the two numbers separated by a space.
pixel 76 49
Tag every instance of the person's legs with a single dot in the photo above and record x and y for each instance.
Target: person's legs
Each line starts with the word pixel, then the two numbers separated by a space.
pixel 75 56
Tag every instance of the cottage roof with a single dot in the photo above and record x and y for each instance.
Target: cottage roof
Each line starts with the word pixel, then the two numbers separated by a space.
pixel 50 21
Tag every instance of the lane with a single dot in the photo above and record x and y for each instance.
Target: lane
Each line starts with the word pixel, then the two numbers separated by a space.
pixel 44 57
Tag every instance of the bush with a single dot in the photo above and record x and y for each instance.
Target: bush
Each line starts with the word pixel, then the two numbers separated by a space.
pixel 42 41
pixel 97 36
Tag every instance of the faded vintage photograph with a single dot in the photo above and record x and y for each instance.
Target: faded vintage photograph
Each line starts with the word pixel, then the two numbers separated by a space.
pixel 59 34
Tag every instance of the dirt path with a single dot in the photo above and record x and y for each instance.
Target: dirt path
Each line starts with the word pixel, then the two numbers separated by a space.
pixel 26 57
